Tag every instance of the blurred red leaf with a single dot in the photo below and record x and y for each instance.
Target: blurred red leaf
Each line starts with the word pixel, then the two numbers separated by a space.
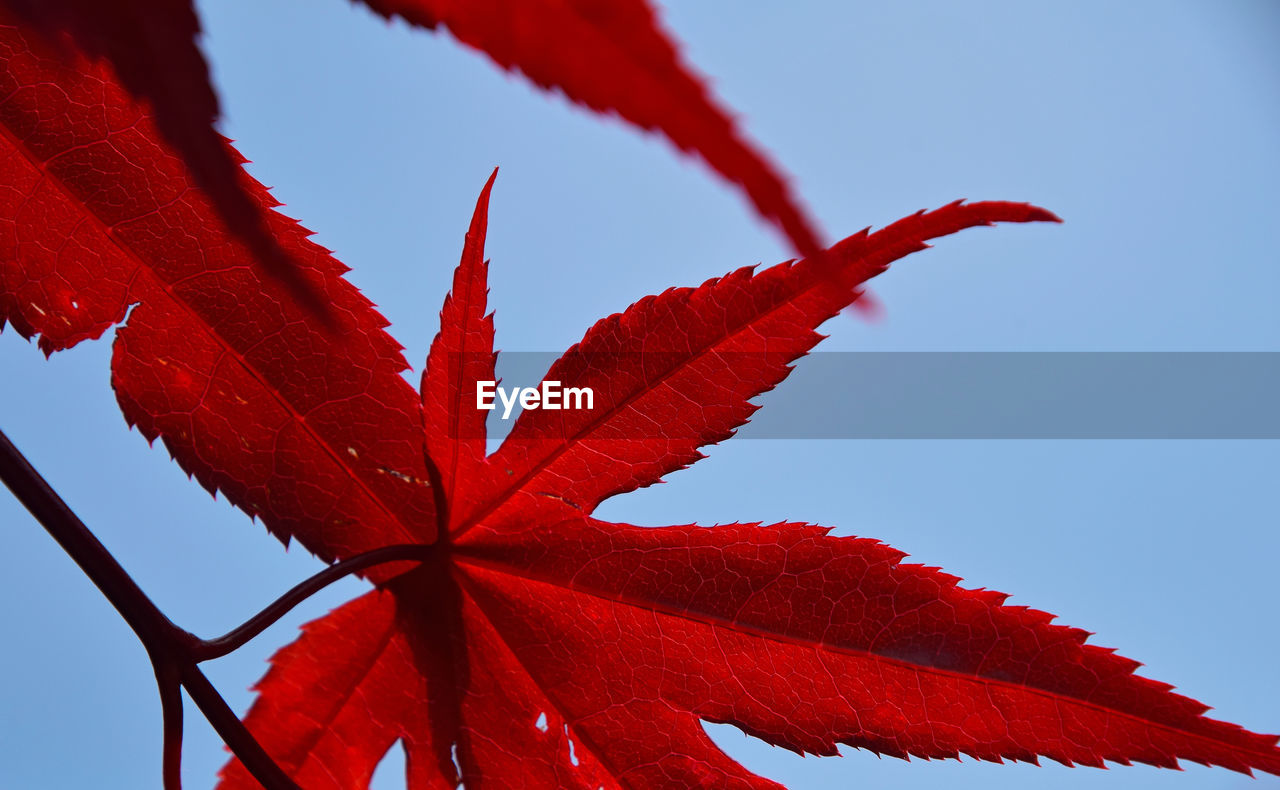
pixel 609 55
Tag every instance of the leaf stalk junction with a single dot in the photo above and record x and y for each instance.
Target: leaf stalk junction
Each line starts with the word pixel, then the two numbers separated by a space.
pixel 174 652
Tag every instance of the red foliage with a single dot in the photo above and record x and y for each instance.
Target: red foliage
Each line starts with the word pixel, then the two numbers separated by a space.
pixel 538 644
pixel 569 652
pixel 298 425
pixel 609 55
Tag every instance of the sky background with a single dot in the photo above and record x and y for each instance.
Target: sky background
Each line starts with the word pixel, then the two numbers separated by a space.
pixel 1150 127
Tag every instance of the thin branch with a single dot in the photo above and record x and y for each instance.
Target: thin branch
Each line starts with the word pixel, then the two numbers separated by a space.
pixel 233 732
pixel 207 649
pixel 175 653
pixel 147 621
pixel 170 685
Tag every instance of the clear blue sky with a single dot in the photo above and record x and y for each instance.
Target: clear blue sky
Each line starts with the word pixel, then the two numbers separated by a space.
pixel 1150 127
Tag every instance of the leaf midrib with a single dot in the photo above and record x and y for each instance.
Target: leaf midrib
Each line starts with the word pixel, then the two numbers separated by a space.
pixel 715 622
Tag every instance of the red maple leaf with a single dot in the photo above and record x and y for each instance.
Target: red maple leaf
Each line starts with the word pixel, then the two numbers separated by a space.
pixel 544 648
pixel 538 644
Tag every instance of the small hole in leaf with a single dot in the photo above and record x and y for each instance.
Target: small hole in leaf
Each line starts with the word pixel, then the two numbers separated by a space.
pixel 541 723
pixel 457 767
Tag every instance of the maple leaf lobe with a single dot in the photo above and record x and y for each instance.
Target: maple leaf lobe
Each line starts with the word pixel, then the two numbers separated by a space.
pixel 462 352
pixel 302 428
pixel 152 48
pixel 613 56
